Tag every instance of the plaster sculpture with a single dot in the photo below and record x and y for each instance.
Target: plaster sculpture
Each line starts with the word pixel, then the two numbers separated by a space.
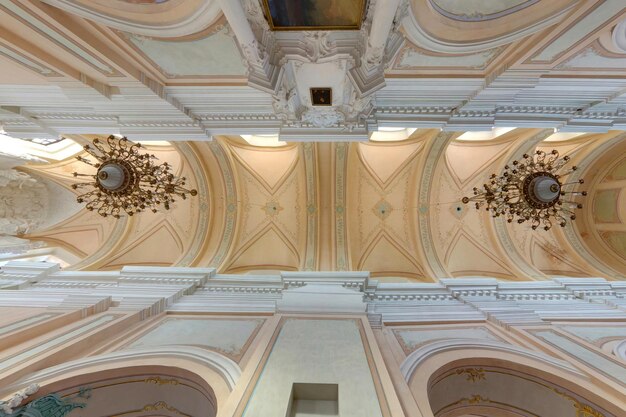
pixel 23 203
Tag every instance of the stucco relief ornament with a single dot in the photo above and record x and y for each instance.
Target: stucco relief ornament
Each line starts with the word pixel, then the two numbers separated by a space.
pixel 317 45
pixel 323 118
pixel 7 407
pixel 23 203
pixel 281 105
pixel 532 189
pixel 374 56
pixel 254 13
pixel 254 53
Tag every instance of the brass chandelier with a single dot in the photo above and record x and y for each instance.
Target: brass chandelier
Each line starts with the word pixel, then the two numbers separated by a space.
pixel 127 181
pixel 533 190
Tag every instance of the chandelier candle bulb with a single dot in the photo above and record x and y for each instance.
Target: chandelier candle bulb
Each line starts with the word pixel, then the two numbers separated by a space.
pixel 126 181
pixel 531 190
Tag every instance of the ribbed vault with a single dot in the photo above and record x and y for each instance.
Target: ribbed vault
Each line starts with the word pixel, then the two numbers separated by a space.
pixel 391 208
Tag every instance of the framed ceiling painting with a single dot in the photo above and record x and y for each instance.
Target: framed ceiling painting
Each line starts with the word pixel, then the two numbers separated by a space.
pixel 315 14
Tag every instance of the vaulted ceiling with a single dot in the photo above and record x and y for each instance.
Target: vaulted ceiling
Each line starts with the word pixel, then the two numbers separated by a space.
pixel 426 95
pixel 392 208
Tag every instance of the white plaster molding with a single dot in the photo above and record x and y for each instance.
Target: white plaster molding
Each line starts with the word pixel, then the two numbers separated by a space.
pixel 620 350
pixel 413 361
pixel 153 290
pixel 17 398
pixel 200 19
pixel 323 118
pixel 619 36
pixel 24 203
pixel 322 298
pixel 226 368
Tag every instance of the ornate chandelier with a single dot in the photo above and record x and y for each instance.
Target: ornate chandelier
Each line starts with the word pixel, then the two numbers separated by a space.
pixel 127 181
pixel 531 189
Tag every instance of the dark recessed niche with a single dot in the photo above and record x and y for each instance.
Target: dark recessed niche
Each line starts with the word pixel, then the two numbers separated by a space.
pixel 322 96
pixel 309 399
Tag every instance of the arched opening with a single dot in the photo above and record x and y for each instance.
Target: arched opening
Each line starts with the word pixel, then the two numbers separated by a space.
pixel 467 378
pixel 143 382
pixel 142 391
pixel 489 390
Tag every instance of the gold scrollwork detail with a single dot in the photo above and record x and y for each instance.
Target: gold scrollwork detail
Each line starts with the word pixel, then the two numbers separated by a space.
pixel 472 400
pixel 582 410
pixel 162 405
pixel 160 381
pixel 585 410
pixel 472 374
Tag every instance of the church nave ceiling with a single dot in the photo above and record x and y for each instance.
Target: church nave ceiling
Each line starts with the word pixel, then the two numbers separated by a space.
pixel 422 101
pixel 355 206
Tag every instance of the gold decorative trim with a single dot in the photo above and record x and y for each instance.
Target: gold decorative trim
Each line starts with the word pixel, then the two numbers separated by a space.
pixel 162 405
pixel 472 374
pixel 582 409
pixel 157 380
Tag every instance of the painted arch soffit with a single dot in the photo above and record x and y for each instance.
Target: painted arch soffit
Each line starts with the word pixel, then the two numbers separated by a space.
pixel 477 25
pixel 158 18
pixel 601 228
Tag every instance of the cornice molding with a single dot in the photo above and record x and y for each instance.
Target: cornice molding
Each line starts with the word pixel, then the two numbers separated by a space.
pixel 505 303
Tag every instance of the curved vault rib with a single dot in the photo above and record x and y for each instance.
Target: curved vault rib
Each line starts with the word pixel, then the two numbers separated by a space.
pixel 570 233
pixel 205 14
pixel 419 36
pixel 433 154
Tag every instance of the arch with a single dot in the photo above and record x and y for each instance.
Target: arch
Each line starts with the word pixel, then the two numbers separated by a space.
pixel 585 236
pixel 213 374
pixel 428 26
pixel 470 358
pixel 620 350
pixel 171 19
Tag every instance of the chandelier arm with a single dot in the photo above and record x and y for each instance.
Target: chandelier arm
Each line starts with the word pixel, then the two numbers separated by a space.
pixel 530 190
pixel 128 181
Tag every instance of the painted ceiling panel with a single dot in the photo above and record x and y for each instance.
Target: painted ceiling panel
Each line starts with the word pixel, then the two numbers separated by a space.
pixel 466 160
pixel 270 166
pixel 385 160
pixel 617 241
pixel 160 246
pixel 605 206
pixel 216 54
pixel 466 258
pixel 269 249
